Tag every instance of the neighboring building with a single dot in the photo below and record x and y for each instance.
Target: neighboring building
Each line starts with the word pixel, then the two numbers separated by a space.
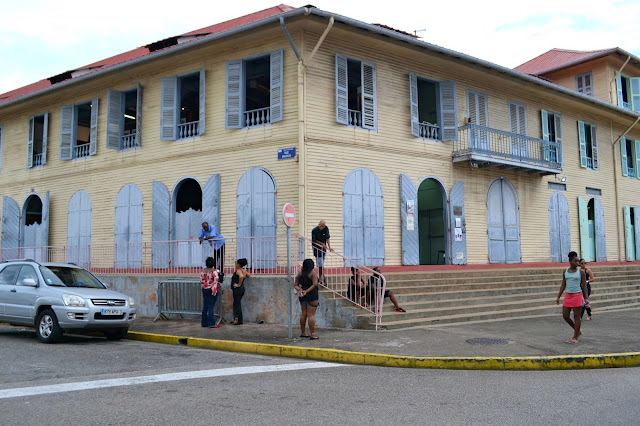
pixel 412 153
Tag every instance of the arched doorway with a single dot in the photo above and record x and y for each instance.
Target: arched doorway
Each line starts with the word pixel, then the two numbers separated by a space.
pixel 363 217
pixel 559 228
pixel 256 218
pixel 33 235
pixel 432 222
pixel 187 221
pixel 592 232
pixel 79 229
pixel 503 223
pixel 128 227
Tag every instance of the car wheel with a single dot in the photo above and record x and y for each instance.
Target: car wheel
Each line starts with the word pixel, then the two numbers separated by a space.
pixel 47 328
pixel 116 335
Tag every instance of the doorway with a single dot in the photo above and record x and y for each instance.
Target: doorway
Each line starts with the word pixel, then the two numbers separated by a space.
pixel 432 229
pixel 503 223
pixel 187 221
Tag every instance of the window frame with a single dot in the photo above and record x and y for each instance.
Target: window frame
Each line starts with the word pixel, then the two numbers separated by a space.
pixel 595 151
pixel 31 139
pixel 118 121
pixel 170 89
pixel 372 115
pixel 584 86
pixel 69 135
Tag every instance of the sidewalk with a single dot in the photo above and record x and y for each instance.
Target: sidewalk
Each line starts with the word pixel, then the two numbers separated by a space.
pixel 610 332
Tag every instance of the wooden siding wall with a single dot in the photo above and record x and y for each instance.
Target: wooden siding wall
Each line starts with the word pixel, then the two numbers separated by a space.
pixel 228 152
pixel 334 150
pixel 600 73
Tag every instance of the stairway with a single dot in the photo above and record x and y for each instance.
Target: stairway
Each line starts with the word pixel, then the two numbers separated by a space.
pixel 450 297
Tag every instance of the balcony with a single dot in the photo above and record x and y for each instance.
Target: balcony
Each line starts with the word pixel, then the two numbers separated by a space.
pixel 257 117
pixel 188 130
pixel 37 160
pixel 486 147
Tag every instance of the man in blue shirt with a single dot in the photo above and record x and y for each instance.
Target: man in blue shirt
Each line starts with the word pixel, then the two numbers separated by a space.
pixel 216 241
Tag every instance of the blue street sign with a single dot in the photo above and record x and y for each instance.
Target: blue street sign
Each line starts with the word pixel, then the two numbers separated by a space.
pixel 286 153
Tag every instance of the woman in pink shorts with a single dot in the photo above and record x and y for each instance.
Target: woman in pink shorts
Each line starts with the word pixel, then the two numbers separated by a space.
pixel 574 282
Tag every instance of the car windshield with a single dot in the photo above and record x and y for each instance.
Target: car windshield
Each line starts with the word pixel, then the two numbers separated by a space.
pixel 69 277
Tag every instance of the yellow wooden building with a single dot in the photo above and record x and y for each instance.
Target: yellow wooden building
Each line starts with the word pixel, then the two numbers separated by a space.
pixel 412 153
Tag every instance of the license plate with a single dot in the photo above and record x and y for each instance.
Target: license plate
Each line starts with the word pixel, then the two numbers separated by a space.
pixel 112 312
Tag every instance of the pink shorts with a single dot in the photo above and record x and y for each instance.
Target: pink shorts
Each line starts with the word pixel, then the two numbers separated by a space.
pixel 573 300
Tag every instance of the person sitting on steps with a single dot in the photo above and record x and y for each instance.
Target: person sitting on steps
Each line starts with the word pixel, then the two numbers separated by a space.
pixel 375 284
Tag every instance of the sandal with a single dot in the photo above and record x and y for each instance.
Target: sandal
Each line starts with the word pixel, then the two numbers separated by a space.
pixel 314 337
pixel 215 326
pixel 572 341
pixel 304 336
pixel 399 309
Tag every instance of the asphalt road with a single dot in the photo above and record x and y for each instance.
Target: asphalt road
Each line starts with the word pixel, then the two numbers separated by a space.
pixel 93 381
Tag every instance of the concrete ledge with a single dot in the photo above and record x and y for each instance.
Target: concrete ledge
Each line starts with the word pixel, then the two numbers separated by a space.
pixel 560 362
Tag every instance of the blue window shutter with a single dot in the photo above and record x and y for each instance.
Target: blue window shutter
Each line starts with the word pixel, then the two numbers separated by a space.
pixel 594 147
pixel 139 116
pixel 10 228
pixel 115 119
pixel 30 142
pixel 483 110
pixel 628 234
pixel 623 155
pixel 415 116
pixel 558 122
pixel 342 90
pixel 44 230
pixel 584 226
pixel 635 94
pixel 160 221
pixel 636 146
pixel 202 95
pixel 601 250
pixel 448 111
pixel 66 131
pixel 234 102
pixel 545 134
pixel 410 239
pixel 93 135
pixel 456 202
pixel 472 107
pixel 277 71
pixel 636 214
pixel 169 108
pixel 211 201
pixel 583 144
pixel 45 136
pixel 369 101
pixel 619 87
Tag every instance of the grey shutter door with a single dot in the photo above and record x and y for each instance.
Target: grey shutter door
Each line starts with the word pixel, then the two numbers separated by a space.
pixel 483 110
pixel 93 134
pixel 45 136
pixel 264 219
pixel 277 71
pixel 415 112
pixel 511 222
pixel 583 218
pixel 10 228
pixel 202 95
pixel 85 230
pixel 628 234
pixel 342 90
pixel 636 214
pixel 456 203
pixel 122 227
pixel 139 99
pixel 559 227
pixel 168 108
pixel 373 221
pixel 243 216
pixel 30 142
pixel 160 220
pixel 601 249
pixel 115 119
pixel 136 218
pixel 594 147
pixel 211 201
pixel 472 104
pixel 369 97
pixel 619 89
pixel 582 137
pixel 43 239
pixel 79 229
pixel 448 111
pixel 234 101
pixel 623 156
pixel 635 94
pixel 352 217
pixel 66 131
pixel 410 242
pixel 560 148
pixel 495 223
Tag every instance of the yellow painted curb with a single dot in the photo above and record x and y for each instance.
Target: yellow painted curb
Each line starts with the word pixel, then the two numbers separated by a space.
pixel 559 362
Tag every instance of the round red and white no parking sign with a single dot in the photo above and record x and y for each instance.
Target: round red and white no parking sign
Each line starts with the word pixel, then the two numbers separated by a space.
pixel 289 214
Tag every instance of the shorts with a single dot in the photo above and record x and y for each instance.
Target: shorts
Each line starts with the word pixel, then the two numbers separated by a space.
pixel 320 261
pixel 308 298
pixel 573 300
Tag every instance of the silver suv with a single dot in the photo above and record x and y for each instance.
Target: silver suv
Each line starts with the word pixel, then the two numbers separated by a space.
pixel 60 297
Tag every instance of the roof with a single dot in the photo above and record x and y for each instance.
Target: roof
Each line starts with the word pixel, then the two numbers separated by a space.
pixel 556 59
pixel 144 51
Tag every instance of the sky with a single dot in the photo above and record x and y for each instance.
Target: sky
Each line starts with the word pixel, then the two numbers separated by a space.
pixel 40 39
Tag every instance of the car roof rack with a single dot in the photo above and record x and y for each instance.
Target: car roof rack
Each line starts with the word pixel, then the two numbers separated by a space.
pixel 21 260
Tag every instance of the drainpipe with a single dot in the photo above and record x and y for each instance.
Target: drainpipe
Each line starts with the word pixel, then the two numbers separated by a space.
pixel 615 76
pixel 615 178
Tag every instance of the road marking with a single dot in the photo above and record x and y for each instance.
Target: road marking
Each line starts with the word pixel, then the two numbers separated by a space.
pixel 157 378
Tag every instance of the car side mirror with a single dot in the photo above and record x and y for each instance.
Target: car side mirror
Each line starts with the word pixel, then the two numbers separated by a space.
pixel 29 282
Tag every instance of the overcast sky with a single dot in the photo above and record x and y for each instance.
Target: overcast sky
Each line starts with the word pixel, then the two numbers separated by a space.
pixel 39 39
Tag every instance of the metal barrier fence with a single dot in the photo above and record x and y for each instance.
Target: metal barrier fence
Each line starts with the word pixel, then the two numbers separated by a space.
pixel 184 297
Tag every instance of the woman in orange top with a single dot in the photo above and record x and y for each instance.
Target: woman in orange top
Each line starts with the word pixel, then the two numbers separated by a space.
pixel 209 279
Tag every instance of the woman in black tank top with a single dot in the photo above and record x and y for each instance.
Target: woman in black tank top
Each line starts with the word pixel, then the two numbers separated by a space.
pixel 237 287
pixel 306 284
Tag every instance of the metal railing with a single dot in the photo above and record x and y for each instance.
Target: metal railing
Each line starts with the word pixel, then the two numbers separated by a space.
pixel 80 151
pixel 188 130
pixel 429 131
pixel 626 105
pixel 340 276
pixel 500 144
pixel 355 118
pixel 257 117
pixel 130 141
pixel 37 160
pixel 184 297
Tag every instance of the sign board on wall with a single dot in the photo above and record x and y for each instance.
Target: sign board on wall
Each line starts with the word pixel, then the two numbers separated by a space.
pixel 286 153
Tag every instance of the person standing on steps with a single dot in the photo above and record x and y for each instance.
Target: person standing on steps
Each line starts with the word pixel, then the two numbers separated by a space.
pixel 237 287
pixel 320 241
pixel 590 278
pixel 306 284
pixel 575 283
pixel 216 242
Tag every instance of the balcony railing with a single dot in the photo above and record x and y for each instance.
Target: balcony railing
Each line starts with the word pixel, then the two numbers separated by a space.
pixel 257 117
pixel 429 131
pixel 188 130
pixel 129 141
pixel 37 160
pixel 81 151
pixel 355 118
pixel 626 105
pixel 484 146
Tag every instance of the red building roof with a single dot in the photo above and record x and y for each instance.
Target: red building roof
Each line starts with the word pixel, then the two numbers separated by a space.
pixel 560 58
pixel 144 50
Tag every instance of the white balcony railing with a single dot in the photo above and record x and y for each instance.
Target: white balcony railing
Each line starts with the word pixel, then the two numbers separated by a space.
pixel 188 130
pixel 257 117
pixel 129 141
pixel 429 131
pixel 80 151
pixel 355 118
pixel 37 160
pixel 626 105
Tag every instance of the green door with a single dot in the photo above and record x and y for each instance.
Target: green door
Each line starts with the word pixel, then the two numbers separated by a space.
pixel 431 223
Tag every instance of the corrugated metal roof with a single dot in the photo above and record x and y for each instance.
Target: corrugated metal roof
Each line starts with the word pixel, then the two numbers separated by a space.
pixel 560 58
pixel 143 51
